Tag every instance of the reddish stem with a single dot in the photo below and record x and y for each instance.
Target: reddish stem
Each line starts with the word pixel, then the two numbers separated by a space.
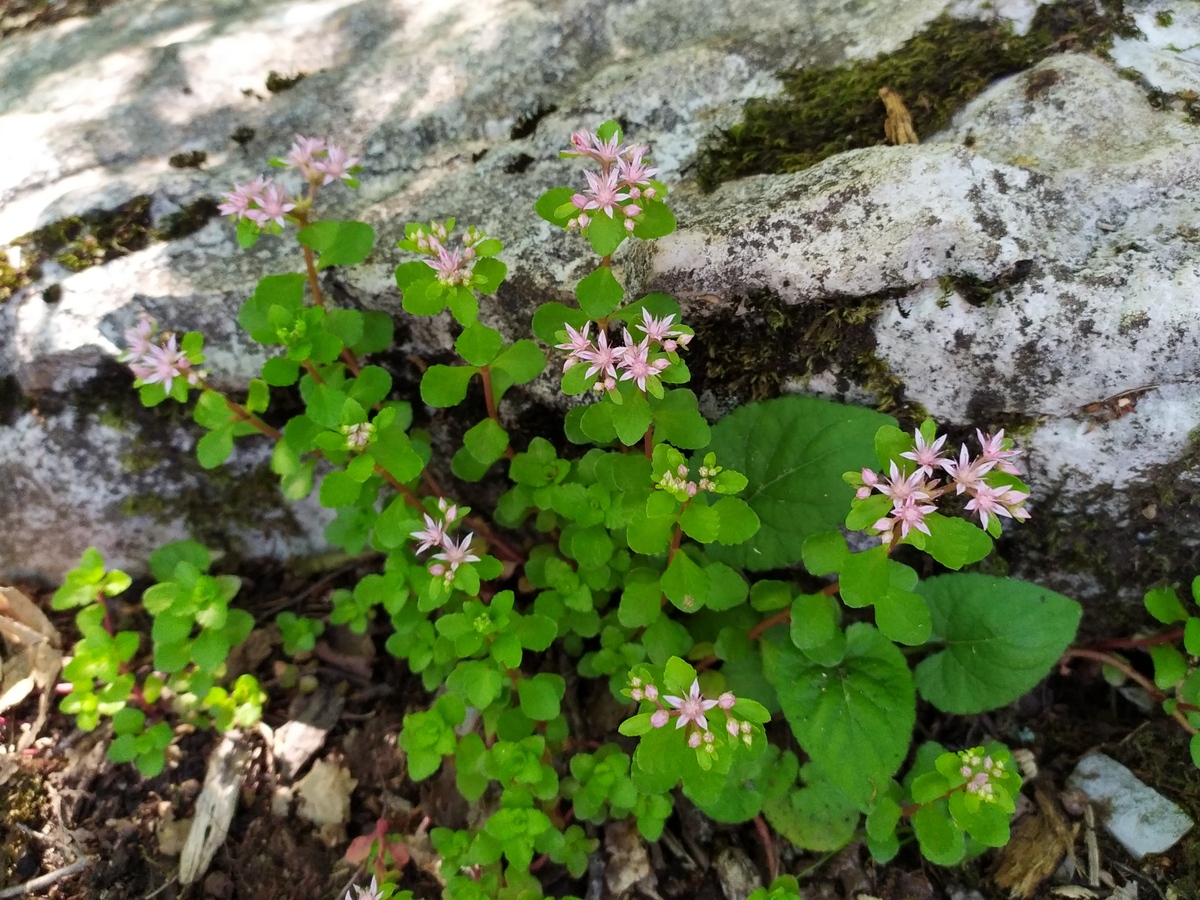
pixel 1168 637
pixel 245 415
pixel 764 835
pixel 489 397
pixel 312 370
pixel 314 282
pixel 649 442
pixel 1134 675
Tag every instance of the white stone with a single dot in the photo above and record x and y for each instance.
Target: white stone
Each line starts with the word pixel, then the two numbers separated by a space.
pixel 1143 820
pixel 1167 56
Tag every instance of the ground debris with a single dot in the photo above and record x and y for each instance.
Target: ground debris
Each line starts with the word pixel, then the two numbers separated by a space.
pixel 1039 843
pixel 214 807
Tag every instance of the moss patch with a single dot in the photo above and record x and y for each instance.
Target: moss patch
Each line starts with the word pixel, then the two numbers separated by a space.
pixel 211 502
pixel 97 237
pixel 824 111
pixel 17 16
pixel 749 356
pixel 277 82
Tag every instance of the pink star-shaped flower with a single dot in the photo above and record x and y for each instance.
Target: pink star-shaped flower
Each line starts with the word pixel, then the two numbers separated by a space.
pixel 457 554
pixel 578 343
pixel 602 357
pixel 994 452
pixel 335 165
pixel 602 193
pixel 692 707
pixel 927 456
pixel 432 535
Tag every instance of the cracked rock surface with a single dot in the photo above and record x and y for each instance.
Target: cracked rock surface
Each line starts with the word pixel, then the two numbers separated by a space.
pixel 1039 255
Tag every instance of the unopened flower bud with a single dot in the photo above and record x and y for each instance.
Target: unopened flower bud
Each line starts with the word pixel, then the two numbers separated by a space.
pixel 726 700
pixel 694 740
pixel 651 692
pixel 692 488
pixel 660 718
pixel 732 727
pixel 636 694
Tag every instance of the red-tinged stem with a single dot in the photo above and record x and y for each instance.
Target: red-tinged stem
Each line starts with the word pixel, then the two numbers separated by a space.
pixel 649 442
pixel 606 261
pixel 489 397
pixel 1134 675
pixel 764 835
pixel 314 283
pixel 108 626
pixel 312 370
pixel 676 540
pixel 402 489
pixel 245 415
pixel 783 617
pixel 1168 637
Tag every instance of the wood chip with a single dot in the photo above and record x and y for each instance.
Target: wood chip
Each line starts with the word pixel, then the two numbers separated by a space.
pixel 296 741
pixel 214 807
pixel 1039 843
pixel 325 799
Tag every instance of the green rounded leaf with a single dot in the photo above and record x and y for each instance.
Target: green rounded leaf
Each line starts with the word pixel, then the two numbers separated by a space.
pixel 478 344
pixel 855 720
pixel 793 451
pixel 338 243
pixel 599 293
pixel 443 386
pixel 1001 637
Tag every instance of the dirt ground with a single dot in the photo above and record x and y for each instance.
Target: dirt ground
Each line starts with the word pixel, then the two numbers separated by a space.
pixel 63 801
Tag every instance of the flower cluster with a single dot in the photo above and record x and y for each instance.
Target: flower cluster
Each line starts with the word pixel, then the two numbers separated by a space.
pixel 678 480
pixel 636 361
pixel 980 771
pixel 623 179
pixel 915 494
pixel 321 163
pixel 453 267
pixel 158 359
pixel 692 710
pixel 358 436
pixel 435 534
pixel 266 203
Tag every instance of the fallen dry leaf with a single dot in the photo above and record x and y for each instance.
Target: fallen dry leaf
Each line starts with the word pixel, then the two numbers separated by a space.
pixel 33 659
pixel 898 127
pixel 1039 842
pixel 325 799
pixel 1074 892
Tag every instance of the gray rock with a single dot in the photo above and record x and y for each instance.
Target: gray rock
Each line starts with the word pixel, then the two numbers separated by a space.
pixel 1078 230
pixel 1143 820
pixel 451 113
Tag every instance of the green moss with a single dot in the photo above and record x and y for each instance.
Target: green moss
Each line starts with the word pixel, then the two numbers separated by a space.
pixel 193 159
pixel 277 82
pixel 97 237
pixel 826 110
pixel 188 220
pixel 1164 18
pixel 749 356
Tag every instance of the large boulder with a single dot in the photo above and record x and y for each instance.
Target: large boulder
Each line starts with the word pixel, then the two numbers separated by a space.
pixel 1028 261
